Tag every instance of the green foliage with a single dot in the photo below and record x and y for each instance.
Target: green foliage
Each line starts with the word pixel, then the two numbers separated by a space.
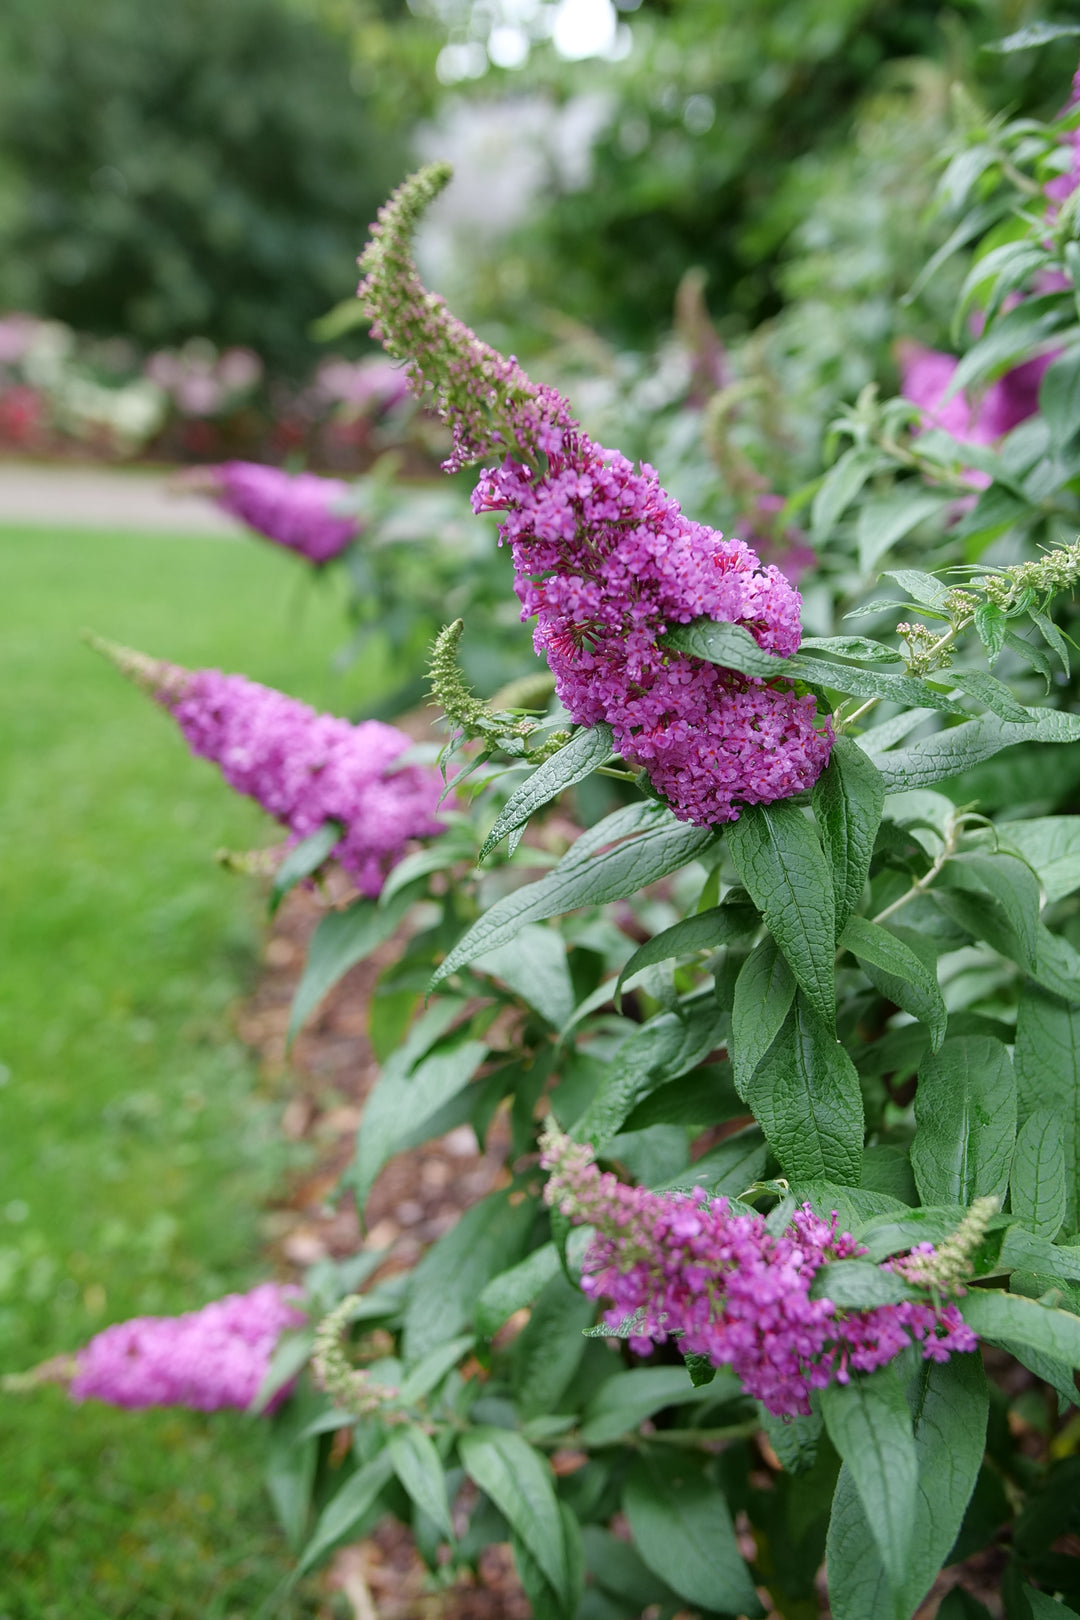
pixel 198 169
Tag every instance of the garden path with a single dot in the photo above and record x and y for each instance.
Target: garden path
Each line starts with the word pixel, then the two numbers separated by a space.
pixel 106 498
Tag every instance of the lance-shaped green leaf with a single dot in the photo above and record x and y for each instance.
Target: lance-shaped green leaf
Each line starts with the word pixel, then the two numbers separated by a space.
pixel 848 799
pixel 547 1354
pixel 787 875
pixel 342 939
pixel 882 523
pixel 628 1398
pixel 840 486
pixel 1010 1318
pixel 764 992
pixel 861 648
pixel 401 1104
pixel 629 849
pixel 347 1508
pixel 898 973
pixel 683 1530
pixel 1014 335
pixel 949 1403
pixel 869 1422
pixel 419 1467
pixel 1051 846
pixel 520 1483
pixel 732 647
pixel 965 1119
pixel 514 1289
pixel 668 1046
pixel 947 753
pixel 544 1601
pixel 859 1285
pixel 444 1287
pixel 708 931
pixel 1011 884
pixel 303 859
pixel 806 1097
pixel 991 693
pixel 1048 1076
pixel 572 764
pixel 1037 1178
pixel 534 967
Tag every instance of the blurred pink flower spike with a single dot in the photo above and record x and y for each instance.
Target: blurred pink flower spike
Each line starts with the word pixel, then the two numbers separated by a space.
pixel 303 768
pixel 926 376
pixel 295 510
pixel 205 1360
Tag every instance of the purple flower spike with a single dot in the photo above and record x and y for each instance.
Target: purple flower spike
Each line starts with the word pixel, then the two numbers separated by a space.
pixel 304 768
pixel 296 510
pixel 205 1359
pixel 605 560
pixel 687 1265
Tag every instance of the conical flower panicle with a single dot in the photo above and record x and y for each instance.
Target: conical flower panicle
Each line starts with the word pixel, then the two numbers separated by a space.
pixel 304 768
pixel 688 1266
pixel 206 1360
pixel 295 510
pixel 606 561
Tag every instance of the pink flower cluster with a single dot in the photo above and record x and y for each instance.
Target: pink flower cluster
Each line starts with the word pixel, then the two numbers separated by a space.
pixel 307 768
pixel 205 1359
pixel 607 562
pixel 926 374
pixel 296 510
pixel 729 1289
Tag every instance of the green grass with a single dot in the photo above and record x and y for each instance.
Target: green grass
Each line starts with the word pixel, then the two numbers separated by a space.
pixel 134 1147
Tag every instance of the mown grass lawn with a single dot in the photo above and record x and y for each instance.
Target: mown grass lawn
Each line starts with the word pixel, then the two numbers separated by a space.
pixel 134 1147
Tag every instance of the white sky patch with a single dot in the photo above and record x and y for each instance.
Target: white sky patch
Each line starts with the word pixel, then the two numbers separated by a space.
pixel 584 28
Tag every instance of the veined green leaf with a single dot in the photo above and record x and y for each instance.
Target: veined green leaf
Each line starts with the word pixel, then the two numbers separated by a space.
pixel 445 1285
pixel 949 1404
pixel 991 693
pixel 544 1601
pixel 707 931
pixel 965 1115
pixel 547 1354
pixel 1011 884
pixel 999 1317
pixel 947 753
pixel 419 1467
pixel 665 1048
pixel 1048 1076
pixel 764 992
pixel 347 1508
pixel 512 1290
pixel 805 1094
pixel 859 648
pixel 898 973
pixel 869 1423
pixel 534 967
pixel 342 939
pixel 628 1398
pixel 1050 844
pixel 784 869
pixel 400 1104
pixel 848 799
pixel 1037 1192
pixel 683 1530
pixel 576 760
pixel 303 859
pixel 859 1285
pixel 883 522
pixel 629 849
pixel 519 1482
pixel 430 1372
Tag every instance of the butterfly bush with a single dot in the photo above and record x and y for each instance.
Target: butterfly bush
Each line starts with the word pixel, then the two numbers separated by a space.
pixel 926 375
pixel 205 1360
pixel 605 560
pixel 304 768
pixel 685 1264
pixel 297 510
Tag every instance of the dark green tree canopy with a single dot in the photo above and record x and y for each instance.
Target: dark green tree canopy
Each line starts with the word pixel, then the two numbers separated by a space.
pixel 189 168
